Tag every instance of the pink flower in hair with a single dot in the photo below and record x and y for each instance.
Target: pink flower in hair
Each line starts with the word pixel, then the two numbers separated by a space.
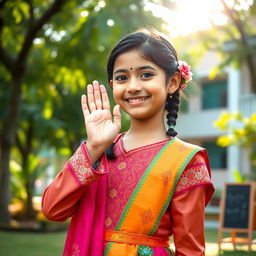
pixel 183 86
pixel 186 74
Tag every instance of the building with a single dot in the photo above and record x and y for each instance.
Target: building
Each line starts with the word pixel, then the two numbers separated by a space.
pixel 229 92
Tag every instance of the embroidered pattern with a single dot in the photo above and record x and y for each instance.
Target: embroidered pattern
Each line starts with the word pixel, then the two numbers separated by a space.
pixel 194 175
pixel 121 166
pixel 166 177
pixel 132 165
pixel 75 250
pixel 145 251
pixel 108 222
pixel 82 169
pixel 113 193
pixel 100 168
pixel 146 216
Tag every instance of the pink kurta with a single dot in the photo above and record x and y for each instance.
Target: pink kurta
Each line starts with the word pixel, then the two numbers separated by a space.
pixel 184 218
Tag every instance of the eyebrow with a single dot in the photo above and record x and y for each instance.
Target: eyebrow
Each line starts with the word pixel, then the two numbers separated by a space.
pixel 139 68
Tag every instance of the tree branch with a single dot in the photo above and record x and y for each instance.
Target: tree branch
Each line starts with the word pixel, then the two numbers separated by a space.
pixel 2 3
pixel 34 29
pixel 29 136
pixel 19 144
pixel 244 42
pixel 31 12
pixel 5 58
pixel 237 22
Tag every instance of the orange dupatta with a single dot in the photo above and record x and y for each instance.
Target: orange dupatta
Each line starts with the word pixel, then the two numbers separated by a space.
pixel 152 195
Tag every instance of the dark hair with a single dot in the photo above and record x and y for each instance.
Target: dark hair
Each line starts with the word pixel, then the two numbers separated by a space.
pixel 155 48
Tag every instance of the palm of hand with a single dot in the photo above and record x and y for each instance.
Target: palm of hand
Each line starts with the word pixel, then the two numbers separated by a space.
pixel 98 119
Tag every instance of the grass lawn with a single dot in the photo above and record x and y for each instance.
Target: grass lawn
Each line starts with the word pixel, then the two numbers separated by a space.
pixel 51 244
pixel 31 244
pixel 227 249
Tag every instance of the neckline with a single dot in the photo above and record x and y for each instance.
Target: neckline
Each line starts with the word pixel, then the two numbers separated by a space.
pixel 125 152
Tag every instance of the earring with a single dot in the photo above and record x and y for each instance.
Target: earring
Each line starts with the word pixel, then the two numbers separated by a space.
pixel 171 126
pixel 170 96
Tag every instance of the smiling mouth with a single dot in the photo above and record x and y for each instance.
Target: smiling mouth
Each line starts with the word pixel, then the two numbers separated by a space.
pixel 137 100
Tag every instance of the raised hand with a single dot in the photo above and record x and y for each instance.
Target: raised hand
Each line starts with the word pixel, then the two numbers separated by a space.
pixel 101 128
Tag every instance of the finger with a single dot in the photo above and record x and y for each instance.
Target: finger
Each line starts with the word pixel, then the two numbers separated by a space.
pixel 90 98
pixel 96 93
pixel 85 109
pixel 117 116
pixel 105 99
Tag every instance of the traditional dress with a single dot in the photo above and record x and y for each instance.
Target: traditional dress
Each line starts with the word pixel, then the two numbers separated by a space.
pixel 133 204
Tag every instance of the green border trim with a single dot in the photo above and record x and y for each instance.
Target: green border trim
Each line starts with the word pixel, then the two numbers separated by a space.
pixel 186 161
pixel 181 169
pixel 170 251
pixel 108 248
pixel 140 184
pixel 138 187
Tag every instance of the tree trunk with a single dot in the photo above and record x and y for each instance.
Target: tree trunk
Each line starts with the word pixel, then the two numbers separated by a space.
pixel 7 141
pixel 29 183
pixel 29 210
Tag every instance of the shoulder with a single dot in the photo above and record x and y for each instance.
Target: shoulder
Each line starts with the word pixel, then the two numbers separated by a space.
pixel 198 153
pixel 187 145
pixel 197 173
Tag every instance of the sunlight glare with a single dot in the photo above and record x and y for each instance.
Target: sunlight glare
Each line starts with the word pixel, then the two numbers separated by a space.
pixel 193 15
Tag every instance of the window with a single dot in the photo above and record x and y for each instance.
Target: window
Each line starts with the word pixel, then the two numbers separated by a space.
pixel 217 155
pixel 214 94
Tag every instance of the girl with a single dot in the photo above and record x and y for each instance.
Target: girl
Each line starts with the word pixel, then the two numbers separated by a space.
pixel 149 185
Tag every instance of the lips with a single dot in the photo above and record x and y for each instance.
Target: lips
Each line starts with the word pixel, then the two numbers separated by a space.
pixel 137 100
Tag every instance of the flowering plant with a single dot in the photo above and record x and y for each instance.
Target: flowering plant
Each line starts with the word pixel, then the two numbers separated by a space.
pixel 186 74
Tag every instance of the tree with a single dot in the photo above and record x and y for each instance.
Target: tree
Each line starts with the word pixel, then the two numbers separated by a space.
pixel 242 21
pixel 238 32
pixel 240 131
pixel 16 66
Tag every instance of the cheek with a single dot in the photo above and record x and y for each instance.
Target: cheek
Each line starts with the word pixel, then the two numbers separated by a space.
pixel 117 94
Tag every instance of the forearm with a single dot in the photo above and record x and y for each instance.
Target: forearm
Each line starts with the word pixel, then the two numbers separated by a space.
pixel 95 152
pixel 61 197
pixel 187 213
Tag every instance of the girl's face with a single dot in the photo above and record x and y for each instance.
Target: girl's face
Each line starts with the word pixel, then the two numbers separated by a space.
pixel 139 86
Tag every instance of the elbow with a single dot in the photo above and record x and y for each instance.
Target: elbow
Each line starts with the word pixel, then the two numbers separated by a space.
pixel 52 215
pixel 52 212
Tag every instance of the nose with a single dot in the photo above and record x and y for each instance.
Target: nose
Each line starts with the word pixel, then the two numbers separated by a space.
pixel 133 86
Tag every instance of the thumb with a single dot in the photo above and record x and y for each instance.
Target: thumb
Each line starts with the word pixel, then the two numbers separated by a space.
pixel 117 116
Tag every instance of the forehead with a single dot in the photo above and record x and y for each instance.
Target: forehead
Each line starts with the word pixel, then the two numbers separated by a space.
pixel 132 59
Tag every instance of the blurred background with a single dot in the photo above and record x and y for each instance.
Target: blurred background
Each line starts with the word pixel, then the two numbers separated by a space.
pixel 51 49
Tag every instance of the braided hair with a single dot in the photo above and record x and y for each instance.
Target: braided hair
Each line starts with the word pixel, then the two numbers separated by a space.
pixel 172 108
pixel 157 49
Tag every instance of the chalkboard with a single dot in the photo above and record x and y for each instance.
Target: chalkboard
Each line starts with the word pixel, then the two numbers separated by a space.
pixel 237 213
pixel 237 206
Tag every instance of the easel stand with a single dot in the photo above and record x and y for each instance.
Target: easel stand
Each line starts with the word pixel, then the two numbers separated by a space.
pixel 236 240
pixel 241 229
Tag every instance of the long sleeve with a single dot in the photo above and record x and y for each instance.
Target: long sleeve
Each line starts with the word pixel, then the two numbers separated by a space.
pixel 192 193
pixel 61 197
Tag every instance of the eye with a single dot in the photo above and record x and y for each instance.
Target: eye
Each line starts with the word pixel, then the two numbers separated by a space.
pixel 121 78
pixel 146 75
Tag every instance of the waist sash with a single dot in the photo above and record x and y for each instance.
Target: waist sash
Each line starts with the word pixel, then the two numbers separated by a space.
pixel 137 239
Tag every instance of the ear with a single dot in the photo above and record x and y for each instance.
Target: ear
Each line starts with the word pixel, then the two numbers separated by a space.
pixel 174 83
pixel 111 83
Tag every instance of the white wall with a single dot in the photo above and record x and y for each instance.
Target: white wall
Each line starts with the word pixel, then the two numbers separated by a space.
pixel 198 124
